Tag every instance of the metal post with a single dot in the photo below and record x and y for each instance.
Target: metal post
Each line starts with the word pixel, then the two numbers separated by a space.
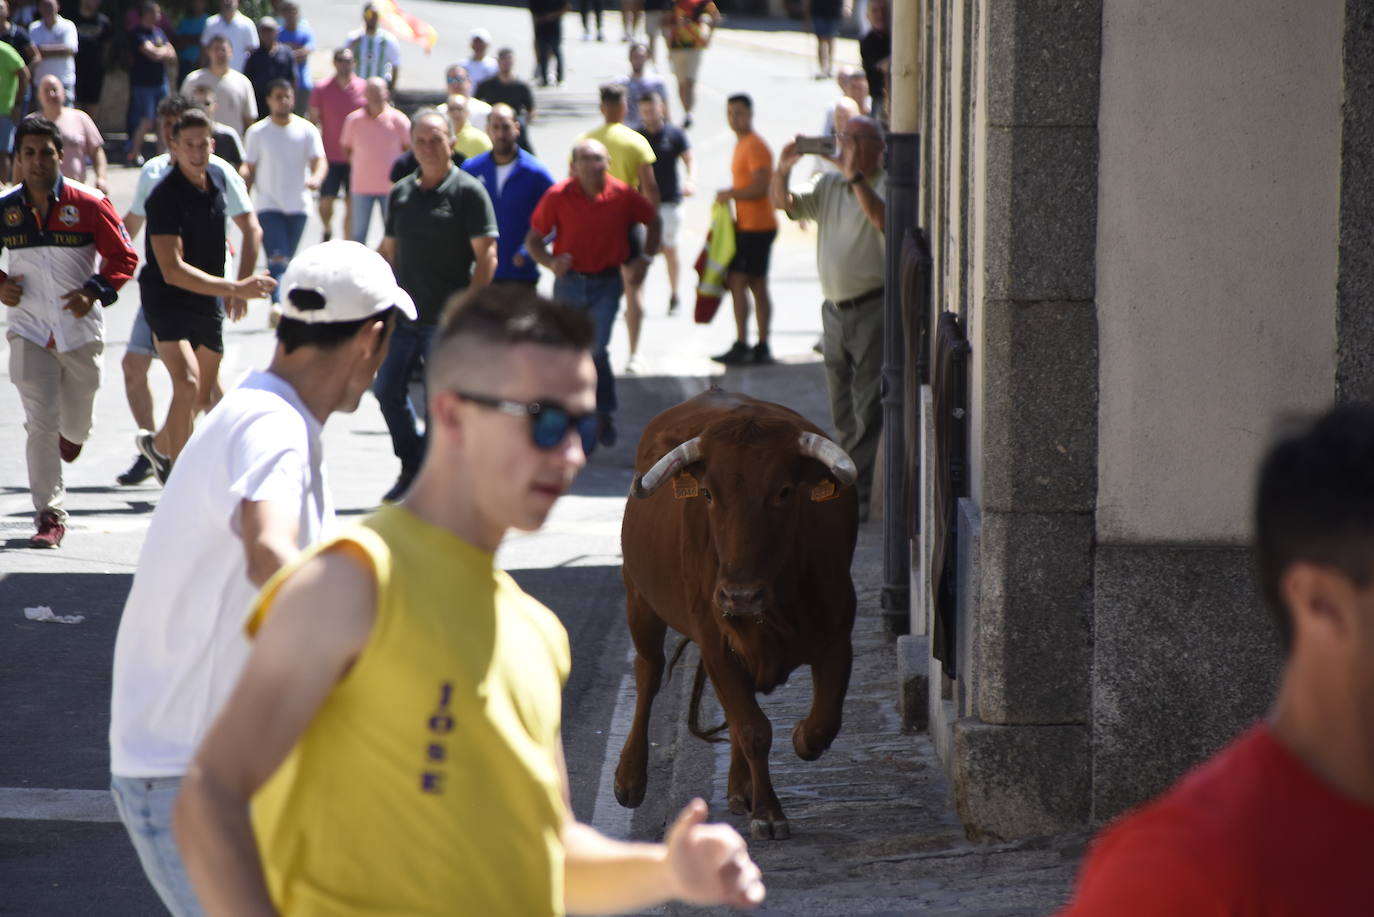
pixel 903 150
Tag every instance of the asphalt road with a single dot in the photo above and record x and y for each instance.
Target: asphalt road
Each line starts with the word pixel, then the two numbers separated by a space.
pixel 61 852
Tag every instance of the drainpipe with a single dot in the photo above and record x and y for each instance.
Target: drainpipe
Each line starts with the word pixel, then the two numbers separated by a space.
pixel 903 151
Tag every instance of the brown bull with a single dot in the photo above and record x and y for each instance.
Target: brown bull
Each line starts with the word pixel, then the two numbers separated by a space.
pixel 739 534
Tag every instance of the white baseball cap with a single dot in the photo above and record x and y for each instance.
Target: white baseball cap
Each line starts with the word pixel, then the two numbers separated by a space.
pixel 340 281
pixel 480 33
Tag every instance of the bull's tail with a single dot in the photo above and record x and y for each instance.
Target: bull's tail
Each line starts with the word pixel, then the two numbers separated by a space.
pixel 677 654
pixel 694 710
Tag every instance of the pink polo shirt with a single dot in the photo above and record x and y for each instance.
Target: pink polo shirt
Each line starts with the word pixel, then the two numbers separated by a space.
pixel 335 103
pixel 374 143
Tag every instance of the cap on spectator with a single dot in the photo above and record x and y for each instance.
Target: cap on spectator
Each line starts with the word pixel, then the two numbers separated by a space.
pixel 341 281
pixel 480 34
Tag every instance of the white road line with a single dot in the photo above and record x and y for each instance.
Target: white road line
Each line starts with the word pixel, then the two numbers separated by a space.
pixel 33 804
pixel 609 816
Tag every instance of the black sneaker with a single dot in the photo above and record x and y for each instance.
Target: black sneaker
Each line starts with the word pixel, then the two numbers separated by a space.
pixel 161 464
pixel 672 306
pixel 738 354
pixel 762 355
pixel 398 490
pixel 140 471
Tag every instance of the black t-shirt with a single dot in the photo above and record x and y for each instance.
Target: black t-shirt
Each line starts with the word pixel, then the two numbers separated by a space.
pixel 826 9
pixel 228 146
pixel 432 229
pixel 144 72
pixel 262 67
pixel 517 94
pixel 17 37
pixel 874 48
pixel 92 35
pixel 178 208
pixel 669 144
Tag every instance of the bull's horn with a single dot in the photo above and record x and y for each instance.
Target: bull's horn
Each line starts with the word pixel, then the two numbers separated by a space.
pixel 676 460
pixel 829 455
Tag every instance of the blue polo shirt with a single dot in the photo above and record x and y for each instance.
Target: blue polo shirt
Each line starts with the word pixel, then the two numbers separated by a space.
pixel 514 203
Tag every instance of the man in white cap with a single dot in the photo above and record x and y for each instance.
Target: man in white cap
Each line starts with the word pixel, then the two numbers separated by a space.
pixel 248 495
pixel 481 66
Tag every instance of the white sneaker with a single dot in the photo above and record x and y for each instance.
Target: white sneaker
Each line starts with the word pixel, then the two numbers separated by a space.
pixel 635 367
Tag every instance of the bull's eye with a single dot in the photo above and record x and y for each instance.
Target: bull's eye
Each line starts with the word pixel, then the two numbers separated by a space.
pixel 785 492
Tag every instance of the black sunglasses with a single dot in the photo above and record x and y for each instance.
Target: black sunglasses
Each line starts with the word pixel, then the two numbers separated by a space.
pixel 549 422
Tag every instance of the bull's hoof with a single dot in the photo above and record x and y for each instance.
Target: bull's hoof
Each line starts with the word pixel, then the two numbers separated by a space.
pixel 769 829
pixel 629 796
pixel 740 804
pixel 809 746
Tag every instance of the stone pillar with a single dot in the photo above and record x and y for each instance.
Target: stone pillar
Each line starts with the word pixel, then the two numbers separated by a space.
pixel 1022 760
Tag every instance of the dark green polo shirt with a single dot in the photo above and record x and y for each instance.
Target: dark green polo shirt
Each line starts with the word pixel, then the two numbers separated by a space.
pixel 433 230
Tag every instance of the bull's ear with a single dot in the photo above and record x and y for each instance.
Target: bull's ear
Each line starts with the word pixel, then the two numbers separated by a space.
pixel 817 481
pixel 685 486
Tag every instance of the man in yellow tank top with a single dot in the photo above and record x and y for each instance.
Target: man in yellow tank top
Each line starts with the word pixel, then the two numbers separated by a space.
pixel 397 727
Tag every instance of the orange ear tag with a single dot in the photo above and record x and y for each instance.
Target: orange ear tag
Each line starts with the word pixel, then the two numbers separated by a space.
pixel 685 486
pixel 823 491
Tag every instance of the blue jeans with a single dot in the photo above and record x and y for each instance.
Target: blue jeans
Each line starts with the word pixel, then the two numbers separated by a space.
pixel 598 294
pixel 281 234
pixel 409 345
pixel 362 214
pixel 145 806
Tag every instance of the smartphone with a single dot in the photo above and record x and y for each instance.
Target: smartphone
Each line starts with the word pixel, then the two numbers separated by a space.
pixel 821 146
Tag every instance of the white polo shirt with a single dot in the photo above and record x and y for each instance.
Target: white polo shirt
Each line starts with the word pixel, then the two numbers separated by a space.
pixel 181 644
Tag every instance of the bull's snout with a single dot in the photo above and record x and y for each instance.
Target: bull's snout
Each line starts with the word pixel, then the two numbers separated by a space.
pixel 742 601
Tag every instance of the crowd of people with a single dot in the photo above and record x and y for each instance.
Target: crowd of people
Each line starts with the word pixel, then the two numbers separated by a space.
pixel 280 143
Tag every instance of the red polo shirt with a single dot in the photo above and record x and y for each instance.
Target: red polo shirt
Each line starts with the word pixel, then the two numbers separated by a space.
pixel 594 230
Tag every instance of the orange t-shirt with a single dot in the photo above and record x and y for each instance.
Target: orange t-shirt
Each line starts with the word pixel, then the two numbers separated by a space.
pixel 1250 833
pixel 752 154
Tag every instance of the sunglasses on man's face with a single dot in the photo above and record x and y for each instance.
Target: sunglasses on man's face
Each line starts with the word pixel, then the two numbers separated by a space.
pixel 549 422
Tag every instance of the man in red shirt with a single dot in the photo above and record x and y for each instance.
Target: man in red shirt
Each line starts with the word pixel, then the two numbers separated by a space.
pixel 330 104
pixel 1281 822
pixel 592 213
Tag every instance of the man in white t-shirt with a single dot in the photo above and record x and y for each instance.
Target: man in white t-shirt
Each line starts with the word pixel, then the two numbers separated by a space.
pixel 248 494
pixel 481 66
pixel 376 52
pixel 283 161
pixel 233 25
pixel 235 104
pixel 55 38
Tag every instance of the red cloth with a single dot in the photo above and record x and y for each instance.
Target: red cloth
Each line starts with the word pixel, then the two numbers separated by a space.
pixel 595 231
pixel 1250 833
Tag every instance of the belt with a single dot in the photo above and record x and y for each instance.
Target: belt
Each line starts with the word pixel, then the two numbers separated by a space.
pixel 606 273
pixel 859 300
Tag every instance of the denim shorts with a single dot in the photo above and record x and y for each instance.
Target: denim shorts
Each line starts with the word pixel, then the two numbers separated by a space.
pixel 143 102
pixel 145 807
pixel 141 337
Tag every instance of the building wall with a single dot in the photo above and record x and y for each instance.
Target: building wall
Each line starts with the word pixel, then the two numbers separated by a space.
pixel 1219 140
pixel 1161 252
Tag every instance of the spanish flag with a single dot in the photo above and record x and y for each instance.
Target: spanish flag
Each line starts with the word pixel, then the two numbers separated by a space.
pixel 405 26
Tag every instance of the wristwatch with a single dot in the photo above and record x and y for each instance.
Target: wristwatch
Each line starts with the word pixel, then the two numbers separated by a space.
pixel 856 179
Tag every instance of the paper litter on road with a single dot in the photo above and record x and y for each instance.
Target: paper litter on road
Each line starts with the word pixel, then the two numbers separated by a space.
pixel 44 613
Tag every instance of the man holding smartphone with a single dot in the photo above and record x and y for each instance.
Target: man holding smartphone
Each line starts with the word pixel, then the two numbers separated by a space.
pixel 849 210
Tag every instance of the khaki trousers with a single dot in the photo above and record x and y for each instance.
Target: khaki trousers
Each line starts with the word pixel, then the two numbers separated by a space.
pixel 58 393
pixel 852 342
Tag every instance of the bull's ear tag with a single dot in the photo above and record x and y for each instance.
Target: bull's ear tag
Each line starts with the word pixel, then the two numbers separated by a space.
pixel 684 486
pixel 823 491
